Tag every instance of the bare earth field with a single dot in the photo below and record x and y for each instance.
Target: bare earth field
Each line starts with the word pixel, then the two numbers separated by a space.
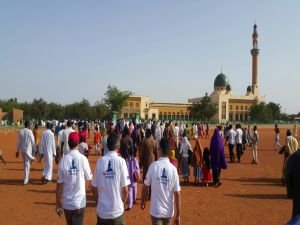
pixel 249 194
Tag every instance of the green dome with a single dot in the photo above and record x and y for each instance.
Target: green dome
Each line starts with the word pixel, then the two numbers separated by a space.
pixel 221 81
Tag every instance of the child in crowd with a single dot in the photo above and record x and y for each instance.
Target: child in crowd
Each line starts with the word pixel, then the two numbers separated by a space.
pixel 197 162
pixel 206 167
pixel 184 151
pixel 255 143
pixel 134 175
pixel 97 140
pixel 172 157
pixel 84 148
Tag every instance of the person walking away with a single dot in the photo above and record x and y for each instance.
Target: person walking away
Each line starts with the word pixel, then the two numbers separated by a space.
pixel 290 147
pixel 149 154
pixel 184 151
pixel 176 134
pixel 60 143
pixel 65 136
pixel 239 142
pixel 249 136
pixel 26 145
pixel 163 178
pixel 197 162
pixel 97 140
pixel 83 147
pixel 231 142
pixel 172 143
pixel 110 185
pixel 126 144
pixel 49 151
pixel 134 175
pixel 37 137
pixel 277 138
pixel 292 175
pixel 254 145
pixel 73 171
pixel 217 155
pixel 206 178
pixel 207 131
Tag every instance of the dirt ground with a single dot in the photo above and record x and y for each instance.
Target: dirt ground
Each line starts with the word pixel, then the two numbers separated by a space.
pixel 249 194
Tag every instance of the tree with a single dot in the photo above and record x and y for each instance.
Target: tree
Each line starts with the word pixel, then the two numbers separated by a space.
pixel 39 109
pixel 101 111
pixel 265 113
pixel 116 99
pixel 204 110
pixel 260 112
pixel 275 110
pixel 55 111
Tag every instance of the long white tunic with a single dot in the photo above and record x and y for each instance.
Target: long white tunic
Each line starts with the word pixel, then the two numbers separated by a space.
pixel 48 149
pixel 26 142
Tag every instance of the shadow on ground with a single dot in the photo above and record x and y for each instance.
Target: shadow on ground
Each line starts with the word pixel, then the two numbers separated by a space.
pixel 259 196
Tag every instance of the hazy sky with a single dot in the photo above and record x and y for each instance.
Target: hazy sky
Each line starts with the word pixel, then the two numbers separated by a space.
pixel 170 50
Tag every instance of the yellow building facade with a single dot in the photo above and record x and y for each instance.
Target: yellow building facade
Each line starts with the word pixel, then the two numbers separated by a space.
pixel 148 109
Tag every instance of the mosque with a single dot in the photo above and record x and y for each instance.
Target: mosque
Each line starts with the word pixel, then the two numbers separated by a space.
pixel 231 107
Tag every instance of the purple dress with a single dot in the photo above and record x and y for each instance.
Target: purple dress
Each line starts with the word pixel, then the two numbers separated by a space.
pixel 132 165
pixel 217 154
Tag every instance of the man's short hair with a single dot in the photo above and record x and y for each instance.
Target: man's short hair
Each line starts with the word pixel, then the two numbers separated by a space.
pixel 27 123
pixel 148 133
pixel 112 141
pixel 49 125
pixel 69 123
pixel 164 146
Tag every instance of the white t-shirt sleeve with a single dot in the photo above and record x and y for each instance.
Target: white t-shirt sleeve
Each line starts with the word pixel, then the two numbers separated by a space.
pixel 176 183
pixel 96 174
pixel 60 173
pixel 125 180
pixel 87 170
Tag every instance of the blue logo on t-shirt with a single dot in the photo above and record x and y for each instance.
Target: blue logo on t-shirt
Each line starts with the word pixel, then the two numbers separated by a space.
pixel 163 179
pixel 164 173
pixel 109 173
pixel 109 169
pixel 73 169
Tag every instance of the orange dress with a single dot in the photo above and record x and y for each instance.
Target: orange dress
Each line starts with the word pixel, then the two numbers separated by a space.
pixel 97 137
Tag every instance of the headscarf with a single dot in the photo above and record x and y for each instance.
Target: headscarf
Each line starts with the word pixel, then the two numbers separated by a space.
pixel 217 151
pixel 197 155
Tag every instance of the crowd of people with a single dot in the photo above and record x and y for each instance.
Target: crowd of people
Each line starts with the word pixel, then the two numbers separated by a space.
pixel 162 150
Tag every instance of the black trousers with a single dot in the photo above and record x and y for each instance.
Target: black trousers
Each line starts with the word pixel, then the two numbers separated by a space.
pixel 230 146
pixel 117 221
pixel 239 150
pixel 216 175
pixel 74 217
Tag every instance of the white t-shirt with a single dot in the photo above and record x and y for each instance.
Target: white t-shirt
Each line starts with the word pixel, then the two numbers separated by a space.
pixel 73 170
pixel 231 137
pixel 111 175
pixel 239 136
pixel 163 178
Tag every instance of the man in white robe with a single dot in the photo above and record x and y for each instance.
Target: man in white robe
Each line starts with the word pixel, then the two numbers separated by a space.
pixel 25 145
pixel 65 136
pixel 49 151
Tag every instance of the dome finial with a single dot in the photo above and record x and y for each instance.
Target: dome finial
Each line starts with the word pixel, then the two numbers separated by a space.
pixel 221 69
